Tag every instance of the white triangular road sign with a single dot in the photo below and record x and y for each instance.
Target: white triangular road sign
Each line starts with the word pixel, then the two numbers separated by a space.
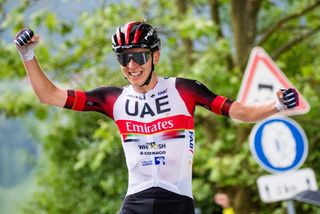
pixel 262 79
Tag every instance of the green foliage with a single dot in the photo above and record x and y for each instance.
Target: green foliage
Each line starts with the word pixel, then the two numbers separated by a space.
pixel 83 167
pixel 85 176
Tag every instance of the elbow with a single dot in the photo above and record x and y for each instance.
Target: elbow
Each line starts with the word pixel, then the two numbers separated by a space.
pixel 243 113
pixel 43 100
pixel 56 98
pixel 247 118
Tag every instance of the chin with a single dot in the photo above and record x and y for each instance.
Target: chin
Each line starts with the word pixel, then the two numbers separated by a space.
pixel 137 82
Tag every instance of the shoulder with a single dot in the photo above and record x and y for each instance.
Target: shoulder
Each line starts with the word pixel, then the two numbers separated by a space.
pixel 105 91
pixel 188 84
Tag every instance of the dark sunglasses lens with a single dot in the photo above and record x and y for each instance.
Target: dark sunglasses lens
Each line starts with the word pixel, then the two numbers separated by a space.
pixel 123 59
pixel 140 57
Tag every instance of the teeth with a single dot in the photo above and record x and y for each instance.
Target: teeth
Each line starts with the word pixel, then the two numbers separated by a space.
pixel 135 74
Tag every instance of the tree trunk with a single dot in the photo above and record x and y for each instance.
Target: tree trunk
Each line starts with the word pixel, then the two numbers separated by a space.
pixel 214 12
pixel 244 22
pixel 182 7
pixel 215 17
pixel 241 200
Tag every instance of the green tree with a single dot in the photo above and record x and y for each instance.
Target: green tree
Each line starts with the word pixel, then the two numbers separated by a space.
pixel 83 168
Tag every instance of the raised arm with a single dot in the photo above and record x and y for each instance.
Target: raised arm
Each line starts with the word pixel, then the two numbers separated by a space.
pixel 251 113
pixel 46 91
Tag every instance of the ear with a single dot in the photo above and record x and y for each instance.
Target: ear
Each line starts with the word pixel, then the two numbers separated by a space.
pixel 156 57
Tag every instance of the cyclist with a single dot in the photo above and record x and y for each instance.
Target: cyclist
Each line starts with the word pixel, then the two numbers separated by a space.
pixel 154 115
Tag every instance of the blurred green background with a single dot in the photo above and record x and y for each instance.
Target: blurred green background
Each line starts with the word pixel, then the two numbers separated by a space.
pixel 58 161
pixel 19 153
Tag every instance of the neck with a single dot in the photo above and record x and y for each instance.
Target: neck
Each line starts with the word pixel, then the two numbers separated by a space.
pixel 146 88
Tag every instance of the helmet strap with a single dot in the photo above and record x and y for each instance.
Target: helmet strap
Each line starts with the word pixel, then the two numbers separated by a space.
pixel 150 74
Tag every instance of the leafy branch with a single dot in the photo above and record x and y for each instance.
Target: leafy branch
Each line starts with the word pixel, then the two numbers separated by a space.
pixel 287 19
pixel 296 40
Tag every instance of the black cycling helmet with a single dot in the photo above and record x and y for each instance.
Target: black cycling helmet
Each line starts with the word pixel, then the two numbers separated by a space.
pixel 135 35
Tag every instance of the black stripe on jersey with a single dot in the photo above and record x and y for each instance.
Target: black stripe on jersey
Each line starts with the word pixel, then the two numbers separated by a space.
pixel 194 93
pixel 100 99
pixel 131 140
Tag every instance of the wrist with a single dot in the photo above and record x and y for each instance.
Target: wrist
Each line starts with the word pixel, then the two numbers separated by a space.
pixel 27 56
pixel 279 105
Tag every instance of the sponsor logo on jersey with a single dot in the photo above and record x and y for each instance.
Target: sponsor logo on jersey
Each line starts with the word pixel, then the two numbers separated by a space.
pixel 162 92
pixel 159 160
pixel 161 105
pixel 146 163
pixel 153 153
pixel 199 83
pixel 191 141
pixel 152 128
pixel 136 97
pixel 152 145
pixel 179 122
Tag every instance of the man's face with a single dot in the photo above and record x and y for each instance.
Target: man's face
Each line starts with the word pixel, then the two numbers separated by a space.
pixel 136 64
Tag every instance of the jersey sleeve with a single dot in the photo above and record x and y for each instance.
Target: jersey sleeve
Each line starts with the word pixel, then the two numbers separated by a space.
pixel 100 99
pixel 194 93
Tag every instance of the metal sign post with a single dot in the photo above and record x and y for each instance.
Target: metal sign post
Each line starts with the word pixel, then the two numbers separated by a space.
pixel 290 207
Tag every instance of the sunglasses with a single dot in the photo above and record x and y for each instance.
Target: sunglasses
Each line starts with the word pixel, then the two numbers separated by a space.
pixel 139 57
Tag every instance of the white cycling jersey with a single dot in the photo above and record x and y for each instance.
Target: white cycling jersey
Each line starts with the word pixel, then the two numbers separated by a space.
pixel 157 128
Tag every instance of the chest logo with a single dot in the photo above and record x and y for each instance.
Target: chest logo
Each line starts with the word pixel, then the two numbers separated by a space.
pixel 161 106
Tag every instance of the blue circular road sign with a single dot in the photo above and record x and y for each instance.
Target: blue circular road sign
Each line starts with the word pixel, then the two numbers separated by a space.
pixel 278 144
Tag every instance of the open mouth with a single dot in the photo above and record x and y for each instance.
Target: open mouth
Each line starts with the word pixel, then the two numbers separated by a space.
pixel 135 74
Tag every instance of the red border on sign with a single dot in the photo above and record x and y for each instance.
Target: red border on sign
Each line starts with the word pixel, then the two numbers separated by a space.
pixel 259 55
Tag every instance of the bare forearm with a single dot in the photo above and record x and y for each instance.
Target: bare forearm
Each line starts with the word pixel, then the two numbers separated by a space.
pixel 252 113
pixel 262 112
pixel 44 89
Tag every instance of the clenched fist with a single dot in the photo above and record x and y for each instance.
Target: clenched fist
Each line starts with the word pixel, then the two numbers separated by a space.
pixel 25 42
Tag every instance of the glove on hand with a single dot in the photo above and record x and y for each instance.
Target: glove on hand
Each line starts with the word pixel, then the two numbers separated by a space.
pixel 287 99
pixel 25 45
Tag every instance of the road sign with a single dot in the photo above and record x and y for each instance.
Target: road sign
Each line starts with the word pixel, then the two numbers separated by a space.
pixel 285 186
pixel 278 144
pixel 262 79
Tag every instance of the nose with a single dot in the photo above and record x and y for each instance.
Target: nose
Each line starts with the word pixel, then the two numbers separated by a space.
pixel 132 64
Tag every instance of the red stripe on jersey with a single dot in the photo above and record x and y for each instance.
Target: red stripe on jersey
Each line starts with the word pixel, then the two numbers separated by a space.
pixel 226 107
pixel 173 134
pixel 128 30
pixel 217 104
pixel 160 125
pixel 70 99
pixel 80 101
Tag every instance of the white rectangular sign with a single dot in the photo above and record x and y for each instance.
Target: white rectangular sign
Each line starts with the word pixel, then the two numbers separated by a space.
pixel 284 186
